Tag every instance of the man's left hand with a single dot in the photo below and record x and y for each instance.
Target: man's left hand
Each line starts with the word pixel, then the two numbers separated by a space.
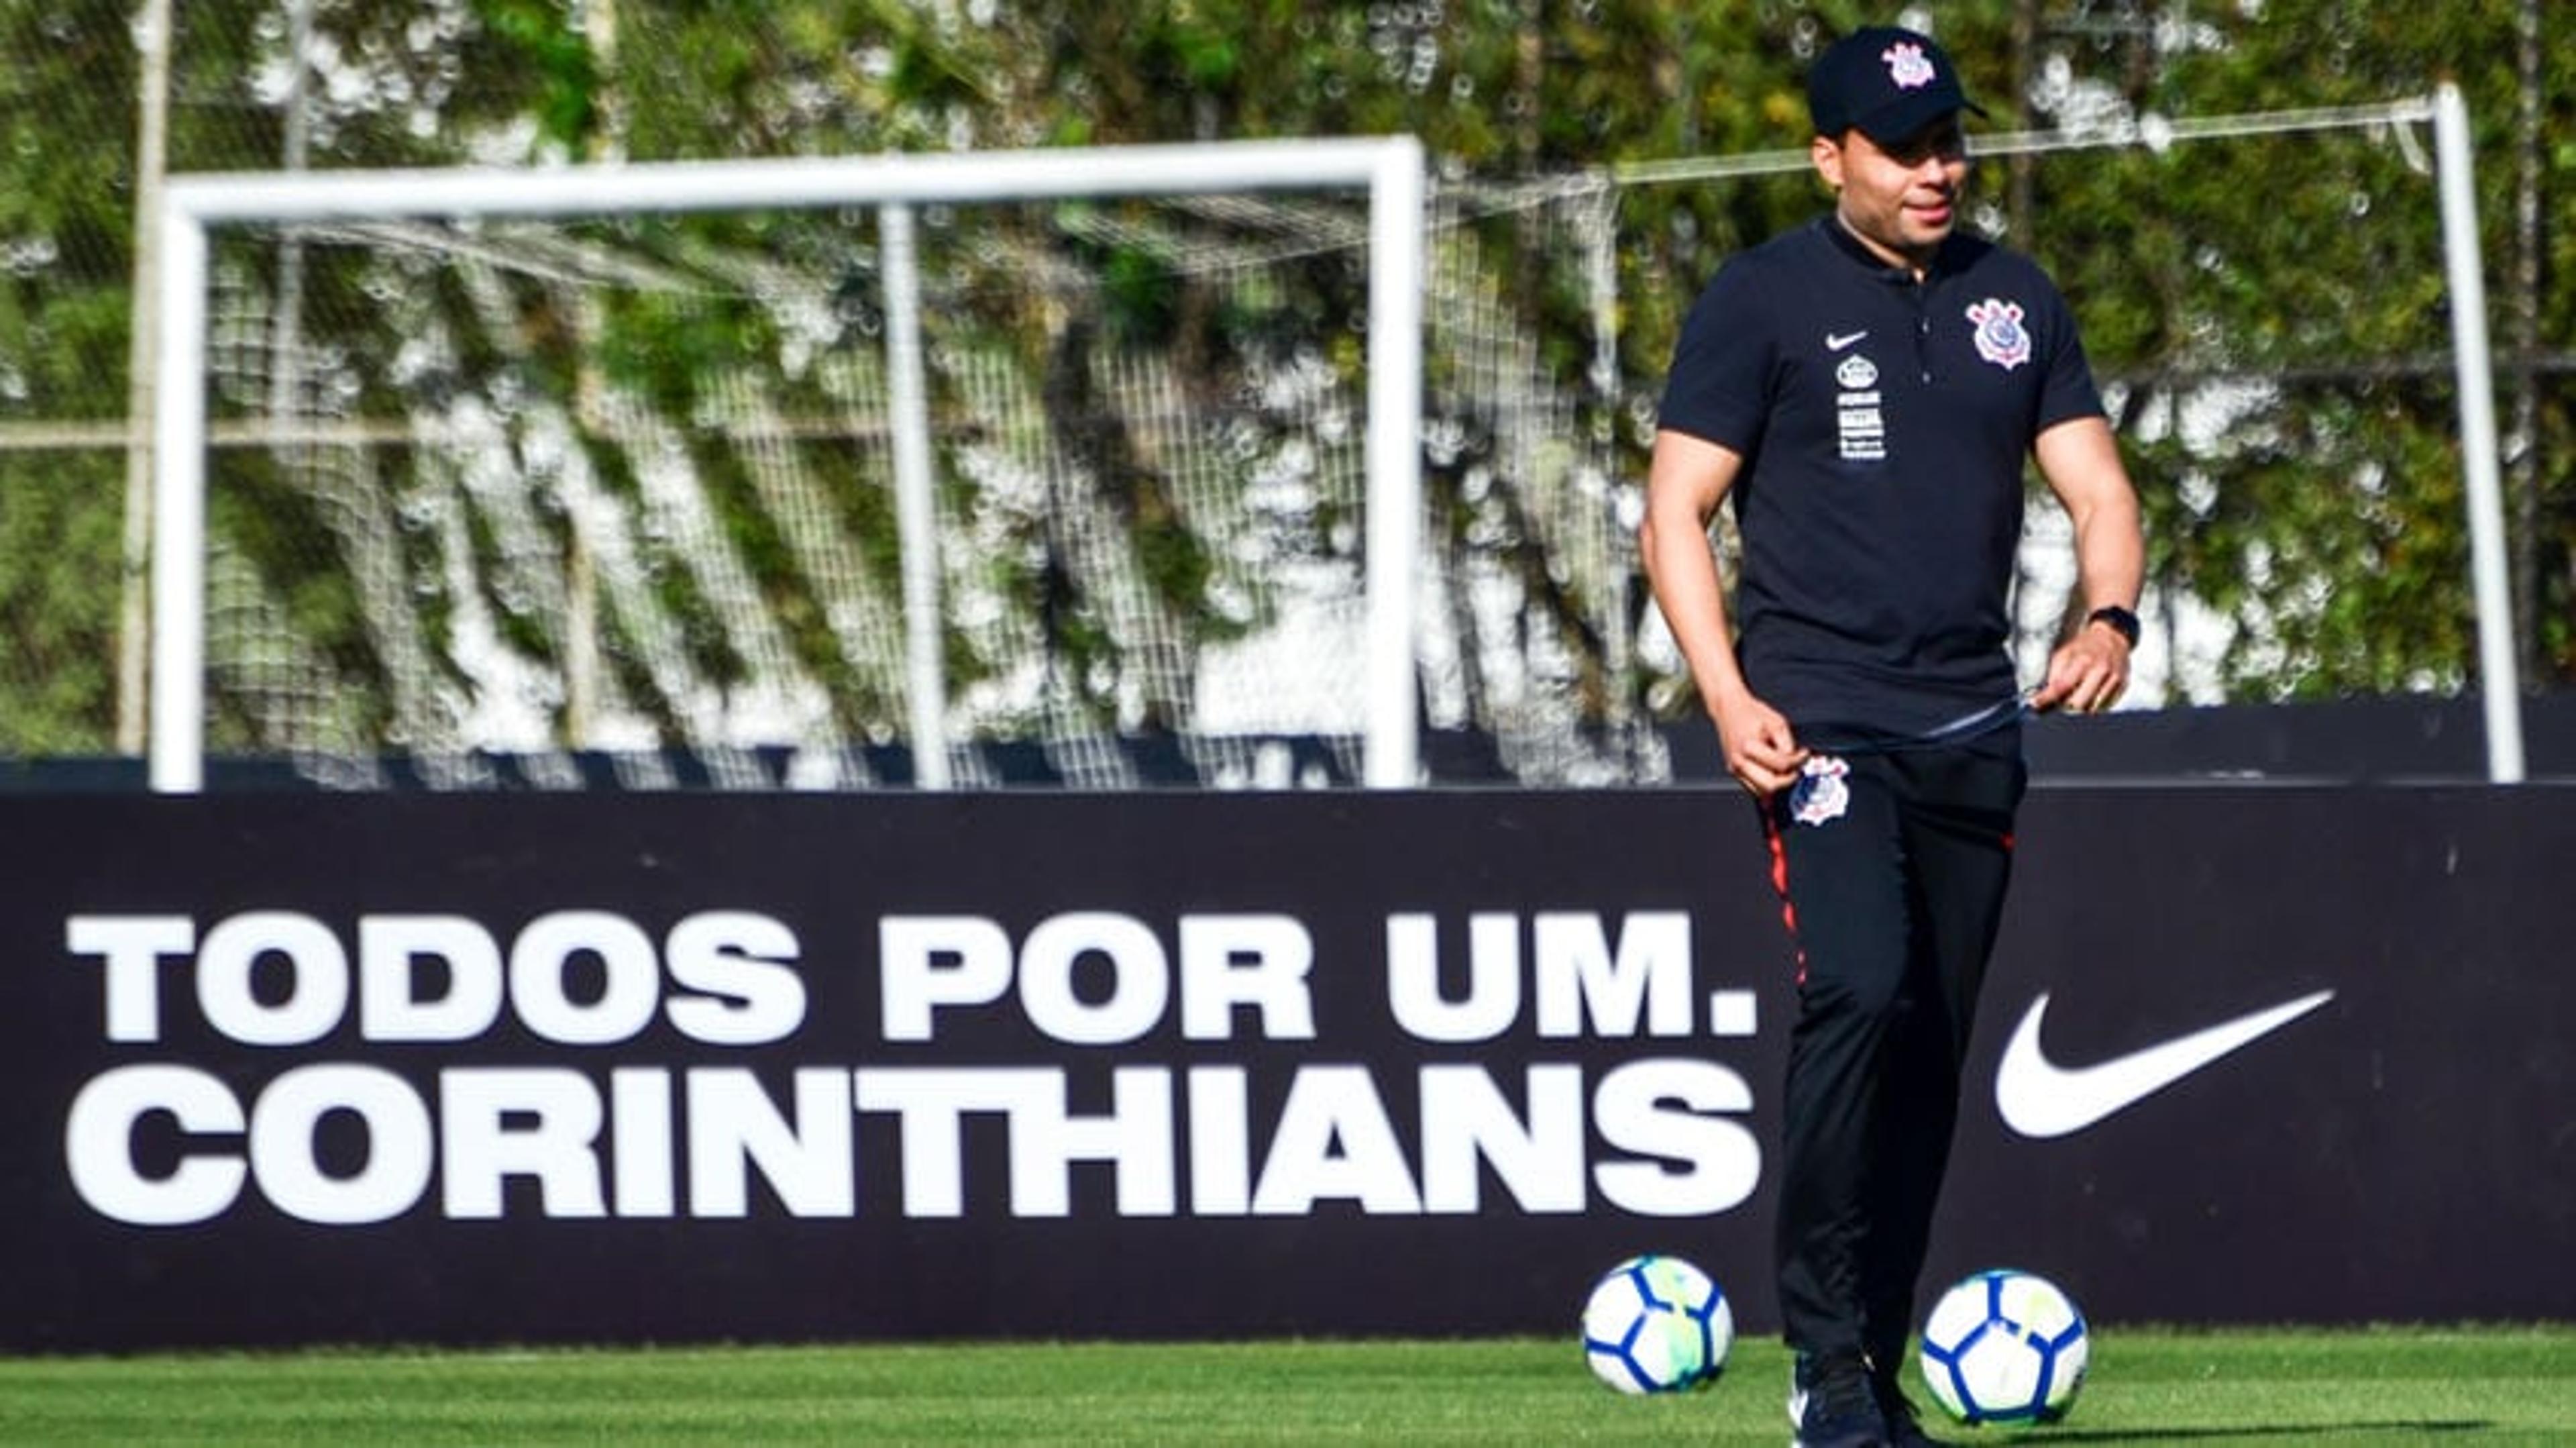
pixel 2087 674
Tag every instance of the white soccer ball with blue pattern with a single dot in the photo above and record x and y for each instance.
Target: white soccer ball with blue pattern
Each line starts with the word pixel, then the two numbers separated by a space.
pixel 2005 1347
pixel 1657 1324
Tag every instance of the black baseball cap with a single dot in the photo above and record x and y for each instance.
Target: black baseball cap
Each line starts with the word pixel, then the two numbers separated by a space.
pixel 1888 83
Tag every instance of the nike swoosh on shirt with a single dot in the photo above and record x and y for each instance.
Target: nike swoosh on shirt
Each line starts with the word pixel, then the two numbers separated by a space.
pixel 1834 343
pixel 2039 1098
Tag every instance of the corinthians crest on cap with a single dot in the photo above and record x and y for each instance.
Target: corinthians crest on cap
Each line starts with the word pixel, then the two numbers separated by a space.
pixel 1908 66
pixel 1884 81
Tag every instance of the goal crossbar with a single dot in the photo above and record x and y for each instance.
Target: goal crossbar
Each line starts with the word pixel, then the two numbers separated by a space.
pixel 1390 170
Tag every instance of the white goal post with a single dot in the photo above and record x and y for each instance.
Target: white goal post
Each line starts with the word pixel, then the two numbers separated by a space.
pixel 1389 169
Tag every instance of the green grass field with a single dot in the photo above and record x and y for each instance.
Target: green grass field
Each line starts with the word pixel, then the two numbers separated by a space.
pixel 2482 1386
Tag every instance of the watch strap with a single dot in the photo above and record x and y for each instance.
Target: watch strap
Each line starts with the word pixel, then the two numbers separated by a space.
pixel 2122 621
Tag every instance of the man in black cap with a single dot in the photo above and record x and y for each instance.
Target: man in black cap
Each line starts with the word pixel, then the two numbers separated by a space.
pixel 1867 390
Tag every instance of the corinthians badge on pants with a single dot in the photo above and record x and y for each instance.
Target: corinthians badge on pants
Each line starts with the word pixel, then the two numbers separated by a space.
pixel 1820 794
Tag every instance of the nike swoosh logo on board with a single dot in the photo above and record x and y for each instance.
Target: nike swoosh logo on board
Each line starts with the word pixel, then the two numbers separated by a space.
pixel 2041 1099
pixel 1835 343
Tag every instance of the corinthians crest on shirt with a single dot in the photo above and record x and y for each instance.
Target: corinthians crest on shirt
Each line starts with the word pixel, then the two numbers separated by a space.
pixel 2001 338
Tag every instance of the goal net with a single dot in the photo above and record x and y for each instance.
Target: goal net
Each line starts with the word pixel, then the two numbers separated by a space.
pixel 1075 466
pixel 1259 464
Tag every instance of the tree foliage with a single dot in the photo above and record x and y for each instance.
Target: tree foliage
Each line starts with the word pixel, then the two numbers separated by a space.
pixel 2291 288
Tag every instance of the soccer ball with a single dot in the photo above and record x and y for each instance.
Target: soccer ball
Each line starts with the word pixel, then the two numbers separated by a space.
pixel 2005 1347
pixel 1657 1324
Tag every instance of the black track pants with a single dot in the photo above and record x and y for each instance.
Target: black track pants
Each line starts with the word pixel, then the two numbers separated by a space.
pixel 1893 902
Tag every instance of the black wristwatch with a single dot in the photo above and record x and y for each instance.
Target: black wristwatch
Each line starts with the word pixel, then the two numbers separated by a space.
pixel 2122 622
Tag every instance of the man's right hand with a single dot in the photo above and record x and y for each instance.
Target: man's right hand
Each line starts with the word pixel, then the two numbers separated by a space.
pixel 1760 749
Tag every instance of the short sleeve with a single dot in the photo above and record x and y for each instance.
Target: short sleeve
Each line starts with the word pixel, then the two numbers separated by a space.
pixel 2068 391
pixel 1719 388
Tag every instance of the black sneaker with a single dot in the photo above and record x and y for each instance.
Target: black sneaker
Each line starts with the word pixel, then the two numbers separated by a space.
pixel 1834 1404
pixel 1904 1429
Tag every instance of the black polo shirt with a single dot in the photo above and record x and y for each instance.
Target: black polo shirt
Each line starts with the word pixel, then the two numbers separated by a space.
pixel 1884 424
